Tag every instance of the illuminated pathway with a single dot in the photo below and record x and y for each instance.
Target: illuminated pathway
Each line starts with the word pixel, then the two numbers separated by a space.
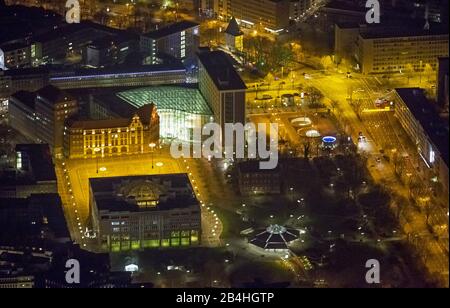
pixel 73 181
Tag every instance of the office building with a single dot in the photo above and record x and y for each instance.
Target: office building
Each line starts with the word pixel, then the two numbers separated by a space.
pixel 177 41
pixel 119 136
pixel 222 87
pixel 395 51
pixel 234 37
pixel 53 107
pixel 111 50
pixel 34 173
pixel 267 15
pixel 138 212
pixel 427 131
pixel 253 180
pixel 15 55
pixel 22 114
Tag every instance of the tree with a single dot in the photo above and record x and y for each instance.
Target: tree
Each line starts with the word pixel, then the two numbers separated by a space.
pixel 306 149
pixel 409 71
pixel 326 62
pixel 280 56
pixel 428 71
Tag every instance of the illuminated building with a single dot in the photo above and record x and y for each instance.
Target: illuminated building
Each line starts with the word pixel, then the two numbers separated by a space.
pixel 234 37
pixel 138 212
pixel 14 56
pixel 253 180
pixel 394 52
pixel 427 131
pixel 272 15
pixel 222 87
pixel 275 238
pixel 32 79
pixel 179 41
pixel 382 49
pixel 181 109
pixel 34 173
pixel 120 136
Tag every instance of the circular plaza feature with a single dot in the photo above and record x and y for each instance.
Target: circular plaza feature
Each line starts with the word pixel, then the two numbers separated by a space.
pixel 275 238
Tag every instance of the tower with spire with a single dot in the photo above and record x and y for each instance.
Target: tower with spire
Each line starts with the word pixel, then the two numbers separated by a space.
pixel 234 37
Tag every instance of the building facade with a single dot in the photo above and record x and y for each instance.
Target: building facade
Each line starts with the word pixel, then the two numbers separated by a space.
pixel 132 213
pixel 222 88
pixel 53 107
pixel 428 132
pixel 15 56
pixel 22 114
pixel 234 37
pixel 119 136
pixel 379 53
pixel 179 41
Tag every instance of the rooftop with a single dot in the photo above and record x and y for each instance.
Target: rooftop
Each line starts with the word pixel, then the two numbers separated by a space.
pixel 405 32
pixel 54 94
pixel 221 70
pixel 233 28
pixel 40 161
pixel 252 166
pixel 25 97
pixel 168 98
pixel 171 29
pixel 164 192
pixel 424 112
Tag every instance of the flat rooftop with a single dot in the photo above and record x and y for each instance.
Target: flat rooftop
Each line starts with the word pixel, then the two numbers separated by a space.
pixel 171 29
pixel 40 160
pixel 221 70
pixel 424 112
pixel 121 194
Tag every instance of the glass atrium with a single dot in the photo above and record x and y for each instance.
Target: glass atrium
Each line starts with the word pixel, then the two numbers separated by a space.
pixel 180 109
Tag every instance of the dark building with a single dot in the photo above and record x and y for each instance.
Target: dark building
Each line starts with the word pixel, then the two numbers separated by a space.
pixel 253 180
pixel 22 113
pixel 36 221
pixel 34 173
pixel 138 212
pixel 53 107
pixel 111 50
pixel 179 41
pixel 443 84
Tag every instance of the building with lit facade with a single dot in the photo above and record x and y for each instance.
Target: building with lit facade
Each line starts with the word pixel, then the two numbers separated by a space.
pixel 14 56
pixel 427 131
pixel 179 41
pixel 394 52
pixel 139 212
pixel 32 79
pixel 222 87
pixel 110 50
pixel 181 109
pixel 270 15
pixel 234 37
pixel 109 137
pixel 390 47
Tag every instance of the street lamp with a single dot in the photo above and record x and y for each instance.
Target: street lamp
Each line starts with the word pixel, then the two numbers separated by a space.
pixel 152 150
pixel 96 150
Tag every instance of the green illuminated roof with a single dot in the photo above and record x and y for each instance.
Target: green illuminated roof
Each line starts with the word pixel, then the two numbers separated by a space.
pixel 168 98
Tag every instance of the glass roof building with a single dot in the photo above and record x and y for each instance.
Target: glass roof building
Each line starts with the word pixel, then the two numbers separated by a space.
pixel 180 108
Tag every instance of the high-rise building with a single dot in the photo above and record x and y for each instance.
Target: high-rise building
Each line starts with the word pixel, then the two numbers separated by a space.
pixel 222 87
pixel 178 41
pixel 138 212
pixel 53 107
pixel 428 132
pixel 15 56
pixel 119 136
